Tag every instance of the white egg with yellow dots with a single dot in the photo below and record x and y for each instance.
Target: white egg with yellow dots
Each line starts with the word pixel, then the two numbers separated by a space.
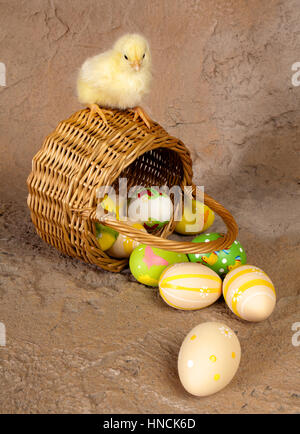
pixel 208 359
pixel 189 286
pixel 249 293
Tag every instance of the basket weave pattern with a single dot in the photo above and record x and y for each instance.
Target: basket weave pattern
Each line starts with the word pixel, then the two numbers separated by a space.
pixel 80 156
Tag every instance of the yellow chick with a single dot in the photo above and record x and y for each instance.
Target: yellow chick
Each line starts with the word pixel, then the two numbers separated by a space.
pixel 211 260
pixel 117 78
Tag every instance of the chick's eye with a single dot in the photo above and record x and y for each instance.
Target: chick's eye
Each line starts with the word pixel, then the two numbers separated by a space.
pixel 144 56
pixel 125 57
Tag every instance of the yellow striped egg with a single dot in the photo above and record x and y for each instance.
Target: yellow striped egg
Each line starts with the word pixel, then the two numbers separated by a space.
pixel 189 286
pixel 249 293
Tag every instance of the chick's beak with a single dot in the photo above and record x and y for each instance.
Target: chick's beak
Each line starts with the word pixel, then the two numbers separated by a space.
pixel 136 65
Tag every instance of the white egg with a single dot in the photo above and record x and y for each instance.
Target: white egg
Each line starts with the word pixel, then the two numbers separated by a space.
pixel 209 358
pixel 151 207
pixel 249 293
pixel 189 286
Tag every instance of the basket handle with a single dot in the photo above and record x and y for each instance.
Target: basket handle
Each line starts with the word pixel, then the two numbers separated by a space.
pixel 224 242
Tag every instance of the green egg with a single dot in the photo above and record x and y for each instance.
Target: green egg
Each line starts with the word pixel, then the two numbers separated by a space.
pixel 221 261
pixel 147 263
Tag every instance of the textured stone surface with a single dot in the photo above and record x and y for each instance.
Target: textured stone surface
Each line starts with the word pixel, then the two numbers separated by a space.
pixel 83 340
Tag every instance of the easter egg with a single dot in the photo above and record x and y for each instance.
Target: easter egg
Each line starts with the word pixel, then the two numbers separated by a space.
pixel 189 286
pixel 208 359
pixel 151 207
pixel 114 204
pixel 196 217
pixel 249 293
pixel 221 261
pixel 123 246
pixel 147 263
pixel 106 236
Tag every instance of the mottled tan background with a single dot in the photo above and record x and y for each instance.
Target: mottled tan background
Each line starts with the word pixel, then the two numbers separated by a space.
pixel 83 340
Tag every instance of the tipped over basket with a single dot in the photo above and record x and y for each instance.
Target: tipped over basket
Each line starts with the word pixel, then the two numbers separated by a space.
pixel 82 155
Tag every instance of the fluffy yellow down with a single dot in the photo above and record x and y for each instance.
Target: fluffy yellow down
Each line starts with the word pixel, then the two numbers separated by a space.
pixel 117 78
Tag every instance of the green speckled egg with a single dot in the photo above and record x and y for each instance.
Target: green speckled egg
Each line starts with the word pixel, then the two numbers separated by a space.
pixel 147 263
pixel 221 261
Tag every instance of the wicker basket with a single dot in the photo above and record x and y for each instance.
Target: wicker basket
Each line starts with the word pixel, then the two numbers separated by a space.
pixel 82 155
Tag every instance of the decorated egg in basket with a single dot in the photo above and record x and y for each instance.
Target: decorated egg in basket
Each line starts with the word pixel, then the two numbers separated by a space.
pixel 147 263
pixel 106 236
pixel 221 261
pixel 123 245
pixel 151 207
pixel 114 204
pixel 196 217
